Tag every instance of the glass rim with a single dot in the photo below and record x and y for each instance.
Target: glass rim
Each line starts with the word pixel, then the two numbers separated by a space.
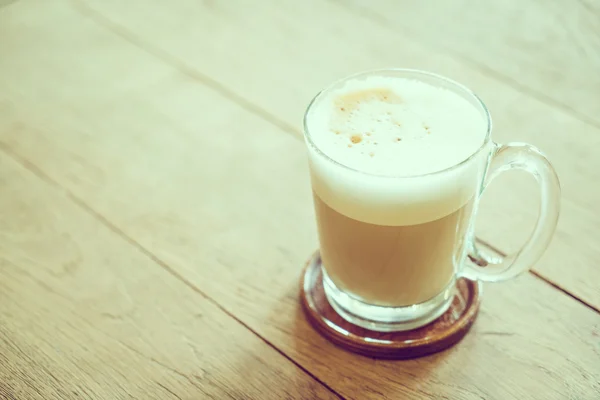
pixel 453 83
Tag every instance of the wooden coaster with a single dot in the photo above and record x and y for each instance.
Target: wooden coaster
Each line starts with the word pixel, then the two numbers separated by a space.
pixel 440 334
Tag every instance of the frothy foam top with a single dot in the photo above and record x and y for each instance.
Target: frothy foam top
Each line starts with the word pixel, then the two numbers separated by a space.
pixel 396 126
pixel 387 126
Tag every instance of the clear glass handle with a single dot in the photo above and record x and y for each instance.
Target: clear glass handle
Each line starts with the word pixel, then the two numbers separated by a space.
pixel 485 267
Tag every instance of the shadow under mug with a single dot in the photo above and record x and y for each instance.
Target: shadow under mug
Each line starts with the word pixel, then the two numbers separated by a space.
pixel 388 277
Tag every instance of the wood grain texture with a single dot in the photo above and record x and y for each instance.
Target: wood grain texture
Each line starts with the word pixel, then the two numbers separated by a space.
pixel 220 194
pixel 83 314
pixel 275 75
pixel 549 50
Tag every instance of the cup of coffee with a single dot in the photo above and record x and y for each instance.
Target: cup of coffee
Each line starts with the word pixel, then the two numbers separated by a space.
pixel 399 160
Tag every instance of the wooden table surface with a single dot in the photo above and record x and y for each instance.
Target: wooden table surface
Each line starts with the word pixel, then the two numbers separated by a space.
pixel 156 210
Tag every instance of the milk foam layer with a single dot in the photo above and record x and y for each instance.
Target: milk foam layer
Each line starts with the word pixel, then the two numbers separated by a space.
pixel 393 133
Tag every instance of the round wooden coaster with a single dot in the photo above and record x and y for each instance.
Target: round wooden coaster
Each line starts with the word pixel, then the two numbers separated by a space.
pixel 440 334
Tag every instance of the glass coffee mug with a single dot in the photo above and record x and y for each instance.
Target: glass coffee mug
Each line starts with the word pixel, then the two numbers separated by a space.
pixel 396 232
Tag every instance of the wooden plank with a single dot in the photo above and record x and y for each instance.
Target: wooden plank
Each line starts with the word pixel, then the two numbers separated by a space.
pixel 275 75
pixel 222 197
pixel 83 314
pixel 550 50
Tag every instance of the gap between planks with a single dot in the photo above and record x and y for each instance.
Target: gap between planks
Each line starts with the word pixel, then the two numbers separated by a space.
pixel 372 16
pixel 247 105
pixel 34 169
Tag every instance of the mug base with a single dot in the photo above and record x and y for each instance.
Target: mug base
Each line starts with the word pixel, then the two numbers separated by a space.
pixel 389 332
pixel 386 318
